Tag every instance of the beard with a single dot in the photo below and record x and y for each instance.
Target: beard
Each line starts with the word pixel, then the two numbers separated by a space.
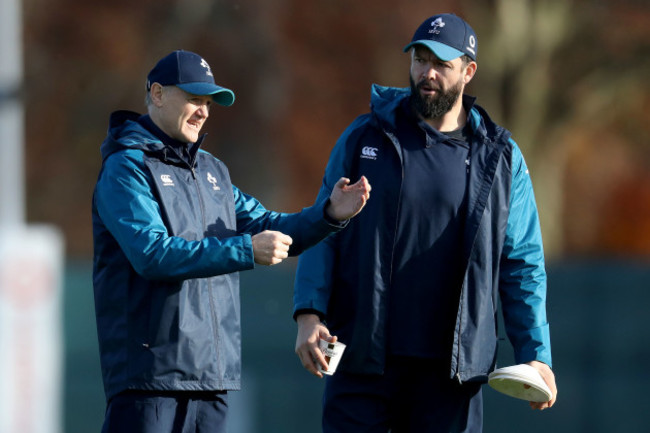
pixel 434 107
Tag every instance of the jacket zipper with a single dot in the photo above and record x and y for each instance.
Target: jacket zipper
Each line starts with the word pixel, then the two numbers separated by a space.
pixel 468 162
pixel 397 218
pixel 213 313
pixel 460 333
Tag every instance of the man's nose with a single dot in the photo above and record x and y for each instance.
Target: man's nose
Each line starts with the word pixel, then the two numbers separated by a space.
pixel 204 110
pixel 430 72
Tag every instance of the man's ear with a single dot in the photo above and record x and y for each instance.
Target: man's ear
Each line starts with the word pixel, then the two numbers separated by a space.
pixel 156 93
pixel 470 70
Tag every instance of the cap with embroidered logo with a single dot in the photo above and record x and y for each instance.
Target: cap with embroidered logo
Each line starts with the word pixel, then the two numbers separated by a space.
pixel 190 72
pixel 447 35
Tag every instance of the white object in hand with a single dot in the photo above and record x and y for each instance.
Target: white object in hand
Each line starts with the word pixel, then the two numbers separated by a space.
pixel 520 381
pixel 332 353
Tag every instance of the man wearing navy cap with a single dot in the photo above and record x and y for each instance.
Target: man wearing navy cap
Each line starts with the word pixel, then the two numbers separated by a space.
pixel 412 285
pixel 171 233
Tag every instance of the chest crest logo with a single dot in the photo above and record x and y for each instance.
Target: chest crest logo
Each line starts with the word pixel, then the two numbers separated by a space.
pixel 213 181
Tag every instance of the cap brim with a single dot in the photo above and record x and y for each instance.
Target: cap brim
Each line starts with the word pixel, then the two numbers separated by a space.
pixel 220 95
pixel 442 51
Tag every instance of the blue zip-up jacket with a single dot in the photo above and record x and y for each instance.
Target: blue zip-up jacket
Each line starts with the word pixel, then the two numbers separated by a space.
pixel 170 234
pixel 346 279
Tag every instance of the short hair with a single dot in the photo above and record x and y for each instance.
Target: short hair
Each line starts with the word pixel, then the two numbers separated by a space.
pixel 466 59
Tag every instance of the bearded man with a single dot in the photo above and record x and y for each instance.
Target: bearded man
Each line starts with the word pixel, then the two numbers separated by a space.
pixel 412 285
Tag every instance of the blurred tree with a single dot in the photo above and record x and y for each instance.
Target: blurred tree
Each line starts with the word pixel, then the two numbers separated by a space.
pixel 568 78
pixel 533 55
pixel 520 40
pixel 567 75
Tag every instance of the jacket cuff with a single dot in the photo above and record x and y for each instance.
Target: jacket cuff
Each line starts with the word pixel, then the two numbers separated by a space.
pixel 297 313
pixel 535 347
pixel 248 256
pixel 331 221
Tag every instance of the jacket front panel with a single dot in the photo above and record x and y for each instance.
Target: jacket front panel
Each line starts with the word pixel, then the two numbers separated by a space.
pixel 363 254
pixel 193 322
pixel 351 289
pixel 475 339
pixel 170 234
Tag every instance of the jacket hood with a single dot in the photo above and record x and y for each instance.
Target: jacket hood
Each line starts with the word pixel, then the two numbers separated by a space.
pixel 124 132
pixel 385 100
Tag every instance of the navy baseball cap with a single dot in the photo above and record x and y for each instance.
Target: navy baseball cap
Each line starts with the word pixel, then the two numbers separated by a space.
pixel 447 35
pixel 190 72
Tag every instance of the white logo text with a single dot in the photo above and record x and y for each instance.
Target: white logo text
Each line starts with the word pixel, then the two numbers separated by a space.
pixel 167 180
pixel 369 152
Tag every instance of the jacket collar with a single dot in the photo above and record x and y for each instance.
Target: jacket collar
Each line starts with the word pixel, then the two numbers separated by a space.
pixel 174 150
pixel 130 130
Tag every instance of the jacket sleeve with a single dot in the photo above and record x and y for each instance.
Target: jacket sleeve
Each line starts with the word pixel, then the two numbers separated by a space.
pixel 306 228
pixel 313 282
pixel 523 276
pixel 129 210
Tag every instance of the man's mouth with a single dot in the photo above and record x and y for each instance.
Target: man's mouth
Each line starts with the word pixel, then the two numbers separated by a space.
pixel 428 88
pixel 194 124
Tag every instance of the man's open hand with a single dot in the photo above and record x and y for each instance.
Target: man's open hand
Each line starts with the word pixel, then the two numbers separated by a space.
pixel 347 200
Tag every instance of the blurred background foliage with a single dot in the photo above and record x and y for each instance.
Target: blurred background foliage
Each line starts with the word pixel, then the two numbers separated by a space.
pixel 569 78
